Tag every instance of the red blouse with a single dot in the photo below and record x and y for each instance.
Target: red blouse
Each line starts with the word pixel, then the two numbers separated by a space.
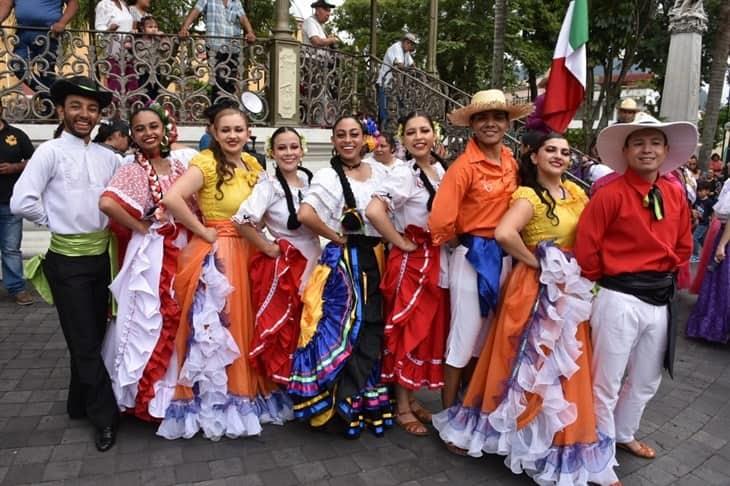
pixel 617 234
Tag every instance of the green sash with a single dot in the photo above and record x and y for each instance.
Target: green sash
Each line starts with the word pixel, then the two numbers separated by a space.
pixel 87 244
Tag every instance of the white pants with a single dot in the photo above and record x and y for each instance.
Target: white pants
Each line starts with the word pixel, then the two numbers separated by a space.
pixel 629 336
pixel 468 329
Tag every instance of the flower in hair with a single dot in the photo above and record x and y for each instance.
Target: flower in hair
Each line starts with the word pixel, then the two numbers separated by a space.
pixel 371 127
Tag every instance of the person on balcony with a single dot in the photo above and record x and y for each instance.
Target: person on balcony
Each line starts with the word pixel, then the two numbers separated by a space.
pixel 474 195
pixel 397 56
pixel 313 33
pixel 15 150
pixel 224 20
pixel 139 10
pixel 113 16
pixel 60 189
pixel 35 19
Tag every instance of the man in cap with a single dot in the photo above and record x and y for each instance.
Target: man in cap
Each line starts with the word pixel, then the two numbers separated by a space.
pixel 472 198
pixel 313 27
pixel 626 111
pixel 60 189
pixel 397 56
pixel 632 236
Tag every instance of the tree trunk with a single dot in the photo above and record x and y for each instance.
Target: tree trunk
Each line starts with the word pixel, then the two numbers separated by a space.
pixel 500 21
pixel 532 81
pixel 717 80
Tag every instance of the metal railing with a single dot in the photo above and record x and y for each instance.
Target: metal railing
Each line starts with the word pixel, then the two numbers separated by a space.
pixel 183 73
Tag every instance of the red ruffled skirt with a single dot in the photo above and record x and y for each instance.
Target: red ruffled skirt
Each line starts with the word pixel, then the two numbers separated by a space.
pixel 417 311
pixel 275 286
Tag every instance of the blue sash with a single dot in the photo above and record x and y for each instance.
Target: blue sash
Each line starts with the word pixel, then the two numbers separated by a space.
pixel 485 255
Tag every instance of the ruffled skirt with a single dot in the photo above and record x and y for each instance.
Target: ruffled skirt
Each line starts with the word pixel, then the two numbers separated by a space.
pixel 275 286
pixel 710 317
pixel 217 391
pixel 336 367
pixel 417 311
pixel 530 398
pixel 139 344
pixel 707 254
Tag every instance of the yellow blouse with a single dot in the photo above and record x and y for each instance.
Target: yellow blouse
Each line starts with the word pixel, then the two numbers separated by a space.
pixel 541 228
pixel 235 190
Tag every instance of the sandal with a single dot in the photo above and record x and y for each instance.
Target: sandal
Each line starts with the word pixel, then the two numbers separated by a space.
pixel 420 412
pixel 641 450
pixel 413 427
pixel 454 449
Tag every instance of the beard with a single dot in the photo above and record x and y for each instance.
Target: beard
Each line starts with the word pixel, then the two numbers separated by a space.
pixel 68 125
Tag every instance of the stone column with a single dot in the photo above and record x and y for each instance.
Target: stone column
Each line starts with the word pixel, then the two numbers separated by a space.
pixel 284 70
pixel 680 97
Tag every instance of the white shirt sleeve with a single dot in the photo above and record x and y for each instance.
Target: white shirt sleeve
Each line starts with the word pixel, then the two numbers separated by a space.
pixel 103 15
pixel 200 5
pixel 397 188
pixel 311 28
pixel 26 200
pixel 252 210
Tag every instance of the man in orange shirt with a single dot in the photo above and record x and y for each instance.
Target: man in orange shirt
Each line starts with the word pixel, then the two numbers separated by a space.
pixel 631 238
pixel 473 196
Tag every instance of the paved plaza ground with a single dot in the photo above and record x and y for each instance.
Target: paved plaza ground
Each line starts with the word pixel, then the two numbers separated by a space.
pixel 688 422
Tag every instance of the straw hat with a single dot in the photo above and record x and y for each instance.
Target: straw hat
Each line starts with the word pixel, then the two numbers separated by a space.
pixel 628 104
pixel 681 136
pixel 488 100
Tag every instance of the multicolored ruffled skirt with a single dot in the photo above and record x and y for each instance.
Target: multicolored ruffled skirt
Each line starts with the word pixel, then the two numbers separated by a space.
pixel 336 367
pixel 530 398
pixel 417 311
pixel 218 392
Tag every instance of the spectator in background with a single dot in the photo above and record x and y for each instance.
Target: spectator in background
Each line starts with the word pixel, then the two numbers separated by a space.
pixel 385 151
pixel 113 16
pixel 139 9
pixel 224 20
pixel 397 56
pixel 626 111
pixel 15 150
pixel 38 44
pixel 114 135
pixel 716 162
pixel 701 214
pixel 313 27
pixel 694 167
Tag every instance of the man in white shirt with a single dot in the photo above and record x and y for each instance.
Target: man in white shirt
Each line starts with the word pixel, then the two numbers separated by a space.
pixel 60 189
pixel 397 56
pixel 313 33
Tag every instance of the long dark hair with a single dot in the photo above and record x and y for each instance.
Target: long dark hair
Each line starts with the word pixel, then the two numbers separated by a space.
pixel 107 128
pixel 224 169
pixel 421 174
pixel 528 177
pixel 351 220
pixel 293 222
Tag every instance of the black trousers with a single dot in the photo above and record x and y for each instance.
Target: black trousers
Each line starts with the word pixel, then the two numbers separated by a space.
pixel 80 291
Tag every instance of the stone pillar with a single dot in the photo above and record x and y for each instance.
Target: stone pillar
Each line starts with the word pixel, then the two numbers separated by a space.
pixel 680 97
pixel 433 27
pixel 284 71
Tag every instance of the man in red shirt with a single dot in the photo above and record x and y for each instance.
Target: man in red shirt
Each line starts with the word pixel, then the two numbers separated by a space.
pixel 472 197
pixel 631 238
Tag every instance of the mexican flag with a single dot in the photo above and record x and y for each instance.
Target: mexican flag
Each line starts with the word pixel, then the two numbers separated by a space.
pixel 567 83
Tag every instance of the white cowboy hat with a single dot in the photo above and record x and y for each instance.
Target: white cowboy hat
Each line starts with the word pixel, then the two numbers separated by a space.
pixel 489 100
pixel 681 138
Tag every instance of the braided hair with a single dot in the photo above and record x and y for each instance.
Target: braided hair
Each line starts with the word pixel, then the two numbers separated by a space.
pixel 528 177
pixel 293 222
pixel 421 174
pixel 351 220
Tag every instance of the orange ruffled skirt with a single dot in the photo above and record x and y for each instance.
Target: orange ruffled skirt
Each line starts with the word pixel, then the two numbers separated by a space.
pixel 218 391
pixel 530 397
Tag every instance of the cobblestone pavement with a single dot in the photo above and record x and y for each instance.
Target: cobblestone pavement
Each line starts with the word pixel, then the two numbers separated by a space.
pixel 688 422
